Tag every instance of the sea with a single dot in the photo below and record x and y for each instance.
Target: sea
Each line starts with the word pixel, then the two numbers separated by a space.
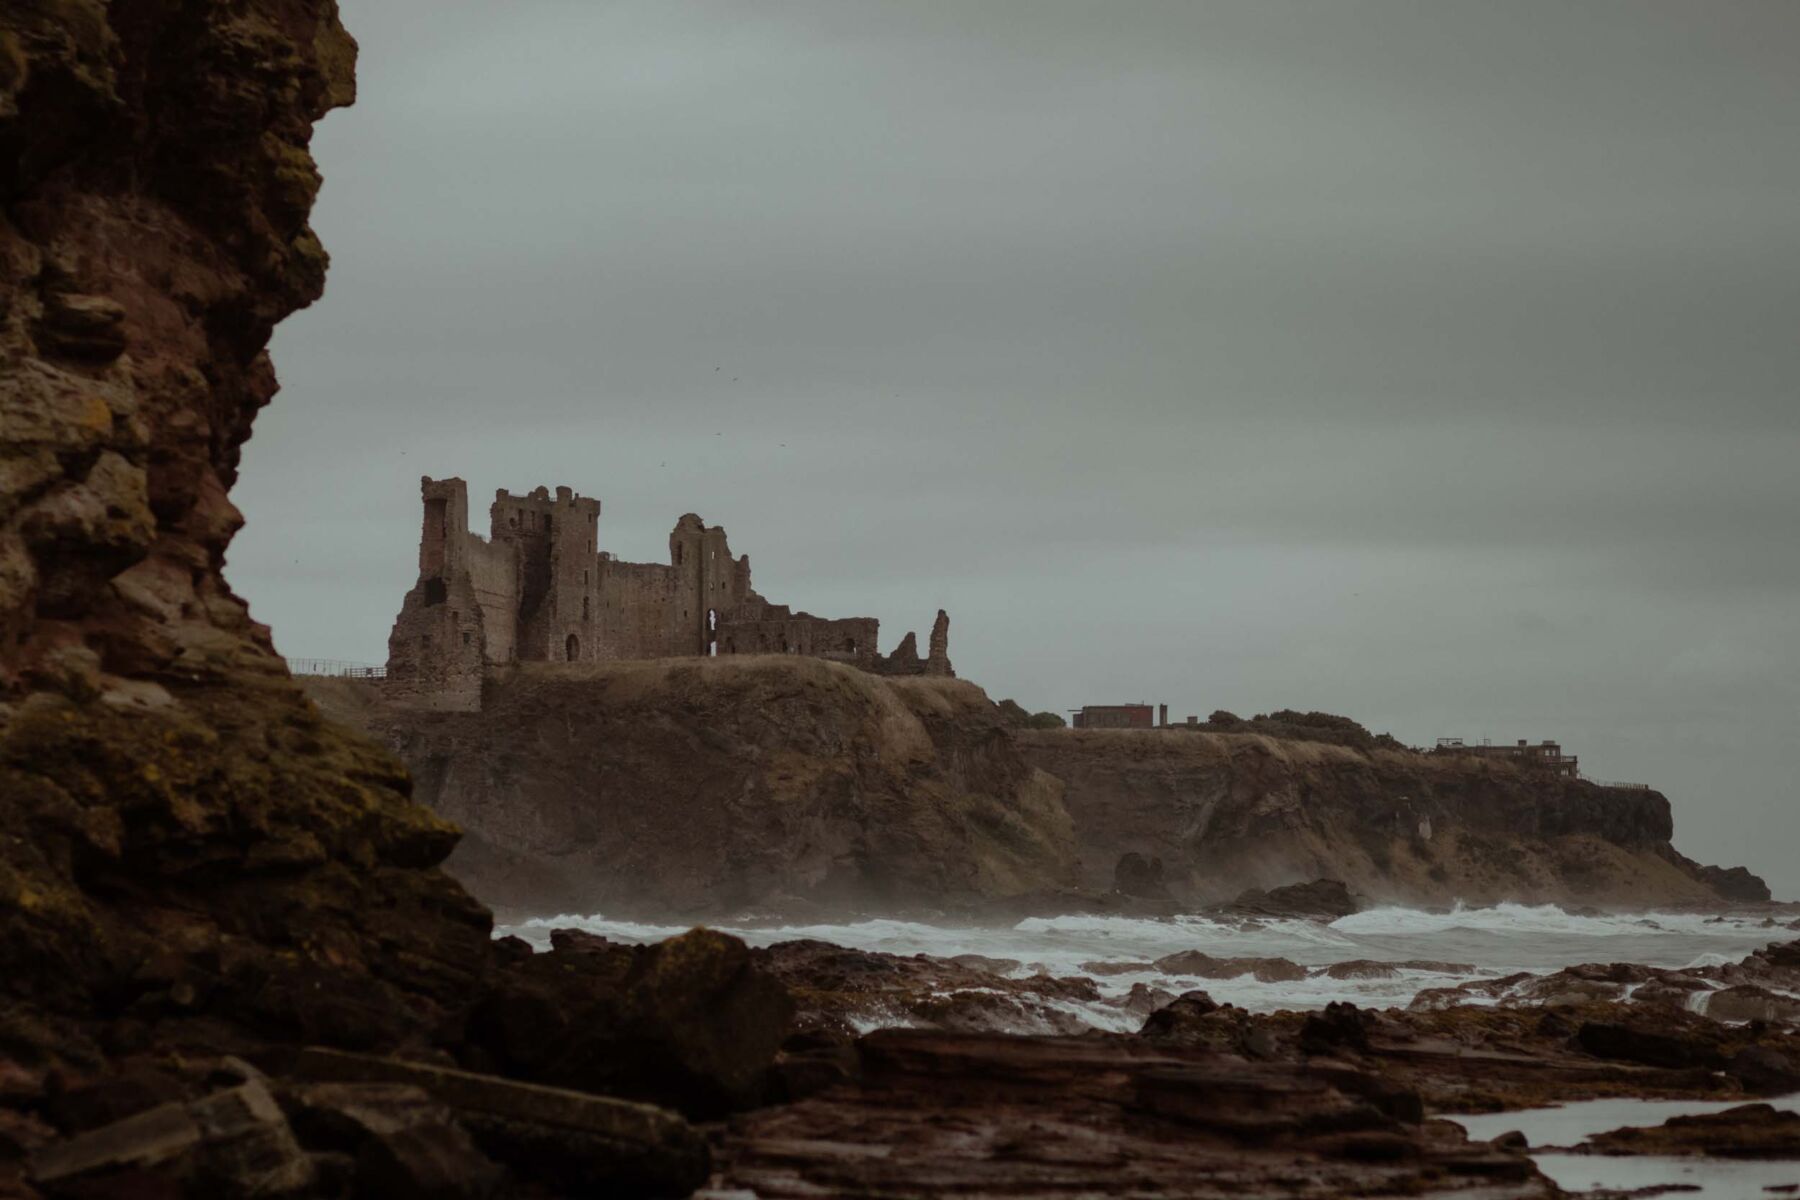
pixel 1490 942
pixel 1486 942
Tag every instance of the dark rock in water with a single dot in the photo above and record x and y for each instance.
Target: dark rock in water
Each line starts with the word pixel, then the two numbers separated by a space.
pixel 1135 875
pixel 981 962
pixel 1365 968
pixel 1736 884
pixel 1206 966
pixel 1323 899
pixel 1362 968
pixel 835 986
pixel 1747 1131
pixel 1764 1071
pixel 1116 968
pixel 691 1022
pixel 1144 999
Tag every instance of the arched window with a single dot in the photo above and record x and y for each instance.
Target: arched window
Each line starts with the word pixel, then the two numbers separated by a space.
pixel 573 648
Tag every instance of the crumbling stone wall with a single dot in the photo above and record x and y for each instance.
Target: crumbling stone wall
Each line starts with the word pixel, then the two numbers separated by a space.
pixel 762 628
pixel 905 659
pixel 539 589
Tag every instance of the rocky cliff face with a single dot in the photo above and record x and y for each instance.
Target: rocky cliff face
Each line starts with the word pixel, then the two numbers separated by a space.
pixel 187 833
pixel 197 868
pixel 1225 812
pixel 715 785
pixel 710 787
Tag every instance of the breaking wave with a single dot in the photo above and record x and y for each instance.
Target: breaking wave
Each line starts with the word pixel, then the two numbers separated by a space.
pixel 1441 947
pixel 1515 920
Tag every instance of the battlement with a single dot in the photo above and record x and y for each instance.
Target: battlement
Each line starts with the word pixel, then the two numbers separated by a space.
pixel 540 589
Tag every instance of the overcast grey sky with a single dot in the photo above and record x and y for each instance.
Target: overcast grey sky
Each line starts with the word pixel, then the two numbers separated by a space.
pixel 1432 362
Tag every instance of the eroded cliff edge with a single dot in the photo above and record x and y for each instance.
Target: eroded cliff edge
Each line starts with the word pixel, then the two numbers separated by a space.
pixel 696 786
pixel 197 868
pixel 706 787
pixel 1224 812
pixel 185 829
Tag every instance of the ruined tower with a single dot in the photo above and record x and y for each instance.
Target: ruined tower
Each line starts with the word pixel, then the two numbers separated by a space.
pixel 539 589
pixel 937 653
pixel 439 646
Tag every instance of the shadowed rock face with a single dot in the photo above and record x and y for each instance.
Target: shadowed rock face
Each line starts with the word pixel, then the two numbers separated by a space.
pixel 683 786
pixel 190 841
pixel 1230 811
pixel 197 865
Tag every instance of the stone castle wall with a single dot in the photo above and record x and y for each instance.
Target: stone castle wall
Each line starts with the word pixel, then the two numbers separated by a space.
pixel 539 589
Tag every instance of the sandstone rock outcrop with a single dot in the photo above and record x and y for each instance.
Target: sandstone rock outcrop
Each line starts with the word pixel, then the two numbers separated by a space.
pixel 197 866
pixel 1229 811
pixel 190 838
pixel 927 1113
pixel 581 787
pixel 709 786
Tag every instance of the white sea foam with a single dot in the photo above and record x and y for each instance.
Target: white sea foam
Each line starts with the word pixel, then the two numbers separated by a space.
pixel 1501 940
pixel 1515 920
pixel 1712 958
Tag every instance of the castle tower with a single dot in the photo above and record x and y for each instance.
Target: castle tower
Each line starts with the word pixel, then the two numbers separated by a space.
pixel 937 654
pixel 438 647
pixel 553 540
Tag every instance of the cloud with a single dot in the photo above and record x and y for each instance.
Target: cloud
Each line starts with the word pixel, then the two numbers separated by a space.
pixel 1431 363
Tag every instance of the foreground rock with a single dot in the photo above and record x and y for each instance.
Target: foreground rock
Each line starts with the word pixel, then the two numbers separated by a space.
pixel 376 1126
pixel 191 846
pixel 572 1140
pixel 198 869
pixel 839 990
pixel 949 1115
pixel 693 1022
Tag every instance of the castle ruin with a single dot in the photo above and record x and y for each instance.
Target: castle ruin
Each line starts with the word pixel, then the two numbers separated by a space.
pixel 539 589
